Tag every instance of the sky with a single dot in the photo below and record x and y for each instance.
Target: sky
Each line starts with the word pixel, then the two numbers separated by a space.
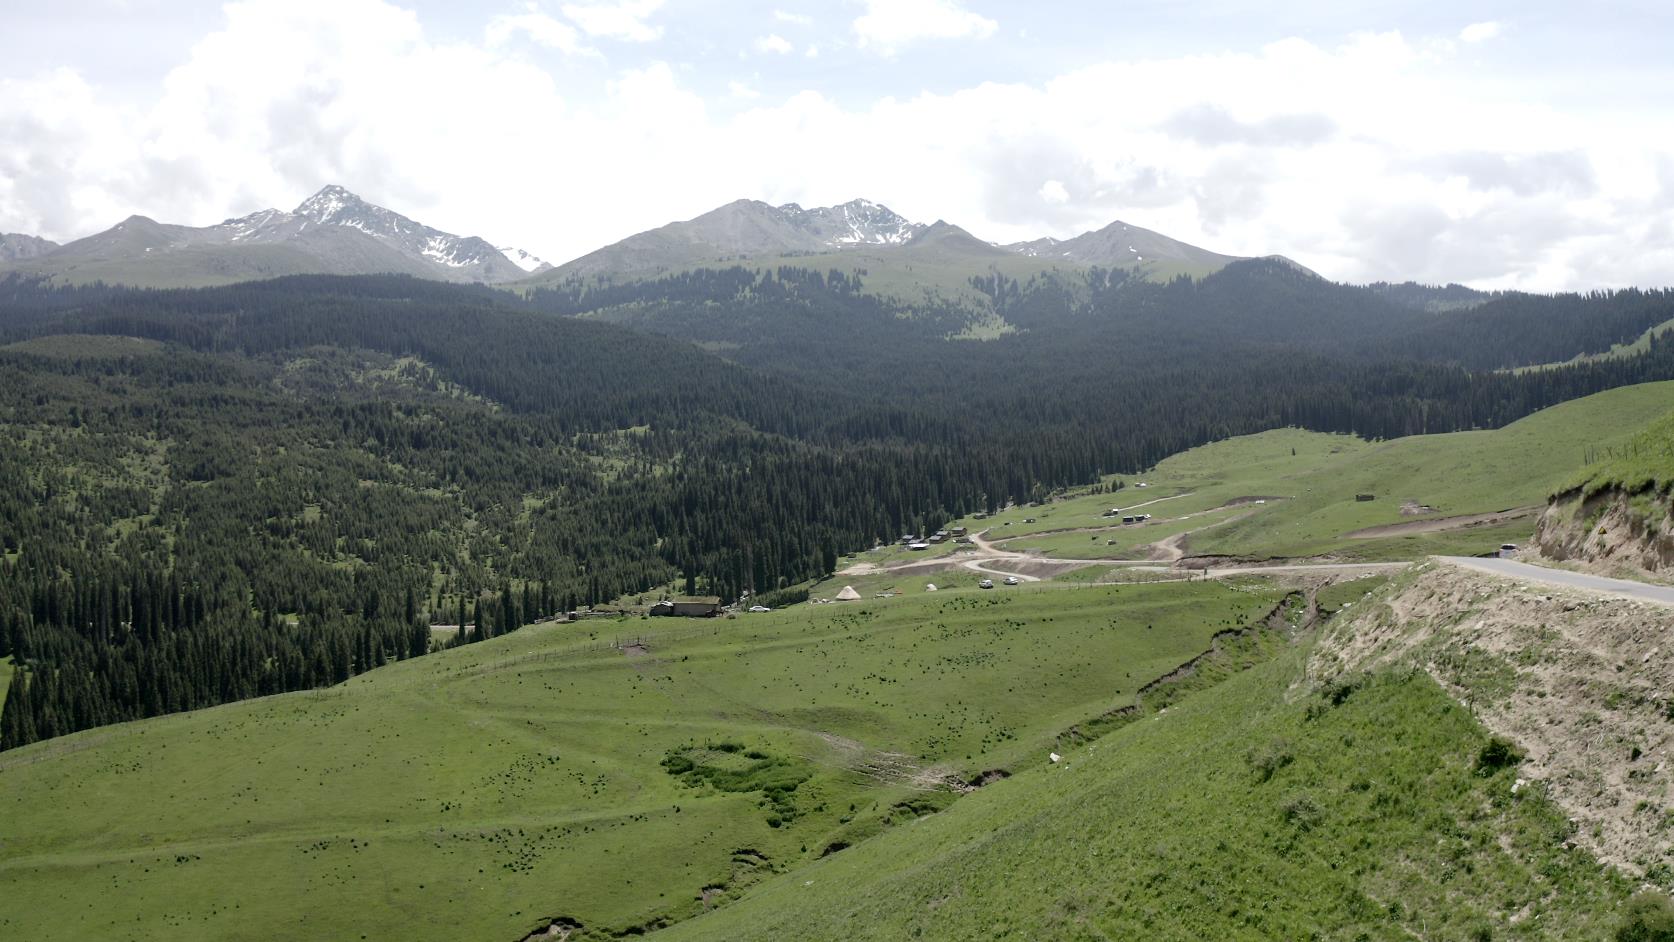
pixel 1497 144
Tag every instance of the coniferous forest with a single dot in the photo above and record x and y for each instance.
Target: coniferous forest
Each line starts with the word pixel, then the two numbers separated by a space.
pixel 207 495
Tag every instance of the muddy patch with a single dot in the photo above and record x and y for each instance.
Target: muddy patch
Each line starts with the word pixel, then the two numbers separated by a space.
pixel 1412 508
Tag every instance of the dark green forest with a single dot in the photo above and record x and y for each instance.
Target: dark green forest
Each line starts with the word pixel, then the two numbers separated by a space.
pixel 213 494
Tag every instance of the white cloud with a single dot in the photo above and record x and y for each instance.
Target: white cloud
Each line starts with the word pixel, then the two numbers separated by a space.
pixel 888 25
pixel 623 19
pixel 800 19
pixel 539 27
pixel 1479 32
pixel 1376 157
pixel 812 52
pixel 775 44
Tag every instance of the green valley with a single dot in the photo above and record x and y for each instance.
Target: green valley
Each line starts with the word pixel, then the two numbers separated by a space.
pixel 476 791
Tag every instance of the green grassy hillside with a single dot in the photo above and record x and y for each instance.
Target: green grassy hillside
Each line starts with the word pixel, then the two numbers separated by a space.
pixel 1241 813
pixel 1643 462
pixel 1308 482
pixel 478 792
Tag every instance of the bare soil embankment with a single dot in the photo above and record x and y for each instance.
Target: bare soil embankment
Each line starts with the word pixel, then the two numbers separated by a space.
pixel 1611 532
pixel 1584 684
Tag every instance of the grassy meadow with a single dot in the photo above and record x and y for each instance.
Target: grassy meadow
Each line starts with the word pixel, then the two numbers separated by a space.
pixel 481 792
pixel 1309 481
pixel 1242 812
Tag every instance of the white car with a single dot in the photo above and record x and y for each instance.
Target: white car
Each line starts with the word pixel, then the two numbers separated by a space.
pixel 986 584
pixel 1013 580
pixel 760 608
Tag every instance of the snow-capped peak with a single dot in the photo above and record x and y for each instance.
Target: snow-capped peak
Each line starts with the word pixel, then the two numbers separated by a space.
pixel 857 222
pixel 244 227
pixel 325 205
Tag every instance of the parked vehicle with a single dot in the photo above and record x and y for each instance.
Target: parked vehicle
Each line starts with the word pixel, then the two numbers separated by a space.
pixel 1013 580
pixel 986 584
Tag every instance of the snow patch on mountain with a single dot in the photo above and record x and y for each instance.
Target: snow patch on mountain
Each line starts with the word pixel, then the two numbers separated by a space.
pixel 522 259
pixel 857 222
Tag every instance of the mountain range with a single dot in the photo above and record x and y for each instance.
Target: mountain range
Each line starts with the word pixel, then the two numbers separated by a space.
pixel 332 232
pixel 336 232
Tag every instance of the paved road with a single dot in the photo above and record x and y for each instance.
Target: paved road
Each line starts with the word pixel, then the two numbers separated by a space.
pixel 1621 588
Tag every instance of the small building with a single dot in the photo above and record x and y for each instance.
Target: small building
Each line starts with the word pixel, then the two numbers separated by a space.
pixel 848 594
pixel 958 531
pixel 938 537
pixel 700 607
pixel 918 546
pixel 1365 497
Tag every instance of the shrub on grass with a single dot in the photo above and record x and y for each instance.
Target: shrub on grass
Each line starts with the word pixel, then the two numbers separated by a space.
pixel 1269 759
pixel 1499 753
pixel 1647 917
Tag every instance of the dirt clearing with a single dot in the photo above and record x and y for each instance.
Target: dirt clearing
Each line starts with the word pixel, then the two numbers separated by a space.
pixel 1438 524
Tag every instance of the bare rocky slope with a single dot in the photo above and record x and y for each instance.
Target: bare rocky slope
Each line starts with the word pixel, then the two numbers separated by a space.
pixel 1584 684
pixel 1611 531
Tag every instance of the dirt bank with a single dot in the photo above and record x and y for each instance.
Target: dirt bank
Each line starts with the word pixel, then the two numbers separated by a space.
pixel 1611 532
pixel 1584 684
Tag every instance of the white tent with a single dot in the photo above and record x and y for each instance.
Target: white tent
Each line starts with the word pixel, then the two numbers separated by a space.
pixel 931 587
pixel 848 594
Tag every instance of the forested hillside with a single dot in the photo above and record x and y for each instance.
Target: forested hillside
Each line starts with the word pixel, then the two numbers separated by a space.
pixel 221 493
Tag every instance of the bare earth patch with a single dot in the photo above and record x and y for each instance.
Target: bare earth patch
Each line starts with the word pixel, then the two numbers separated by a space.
pixel 1438 524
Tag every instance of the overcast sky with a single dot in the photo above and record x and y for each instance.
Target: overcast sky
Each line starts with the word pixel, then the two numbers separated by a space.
pixel 1500 144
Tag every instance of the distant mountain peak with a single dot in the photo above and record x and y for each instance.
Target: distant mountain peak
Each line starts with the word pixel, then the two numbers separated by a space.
pixel 1122 245
pixel 328 203
pixel 333 231
pixel 18 246
pixel 857 222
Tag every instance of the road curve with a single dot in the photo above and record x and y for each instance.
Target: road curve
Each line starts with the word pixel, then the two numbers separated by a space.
pixel 1619 588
